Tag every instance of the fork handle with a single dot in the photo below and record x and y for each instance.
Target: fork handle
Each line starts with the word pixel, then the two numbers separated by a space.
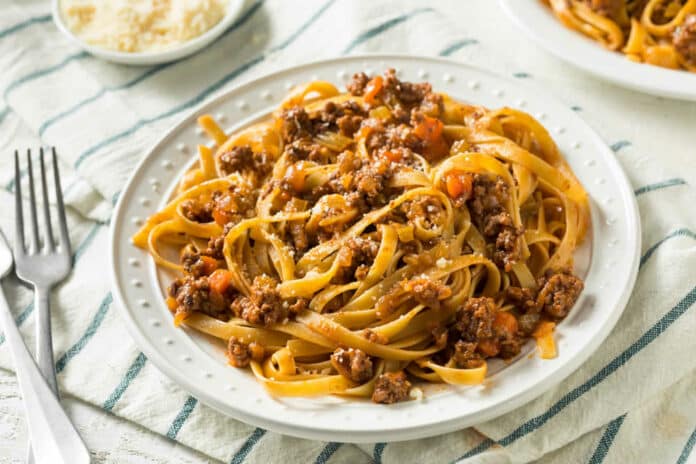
pixel 55 439
pixel 44 340
pixel 44 347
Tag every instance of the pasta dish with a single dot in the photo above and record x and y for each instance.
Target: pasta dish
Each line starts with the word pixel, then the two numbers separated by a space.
pixel 657 32
pixel 356 243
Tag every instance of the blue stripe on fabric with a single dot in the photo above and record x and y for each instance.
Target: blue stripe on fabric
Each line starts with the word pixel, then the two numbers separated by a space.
pixel 576 108
pixel 4 113
pixel 23 25
pixel 456 46
pixel 377 452
pixel 92 328
pixel 648 337
pixel 246 448
pixel 327 452
pixel 607 440
pixel 677 233
pixel 480 448
pixel 660 185
pixel 378 29
pixel 44 72
pixel 180 418
pixel 616 146
pixel 26 312
pixel 21 317
pixel 688 446
pixel 131 373
pixel 146 75
pixel 521 75
pixel 53 119
pixel 205 93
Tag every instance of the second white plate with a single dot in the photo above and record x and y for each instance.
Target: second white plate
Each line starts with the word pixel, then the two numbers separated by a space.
pixel 608 260
pixel 539 23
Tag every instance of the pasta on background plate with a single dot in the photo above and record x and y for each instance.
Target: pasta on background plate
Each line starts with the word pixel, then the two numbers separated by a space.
pixel 657 32
pixel 355 243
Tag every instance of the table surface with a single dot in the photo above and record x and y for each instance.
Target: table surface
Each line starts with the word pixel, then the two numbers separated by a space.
pixel 114 440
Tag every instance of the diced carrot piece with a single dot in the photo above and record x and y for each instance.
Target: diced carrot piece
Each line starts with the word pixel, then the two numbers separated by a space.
pixel 296 175
pixel 544 328
pixel 221 217
pixel 392 155
pixel 429 129
pixel 547 346
pixel 488 347
pixel 458 184
pixel 179 318
pixel 372 89
pixel 171 303
pixel 220 281
pixel 505 322
pixel 454 185
pixel 209 264
pixel 437 148
pixel 365 131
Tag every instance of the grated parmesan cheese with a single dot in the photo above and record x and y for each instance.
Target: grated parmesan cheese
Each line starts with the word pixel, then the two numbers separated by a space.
pixel 140 25
pixel 416 394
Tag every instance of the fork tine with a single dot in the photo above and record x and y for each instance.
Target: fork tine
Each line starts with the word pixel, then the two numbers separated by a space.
pixel 19 216
pixel 34 242
pixel 50 245
pixel 64 238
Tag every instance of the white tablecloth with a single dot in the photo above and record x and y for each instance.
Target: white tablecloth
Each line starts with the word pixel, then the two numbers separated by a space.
pixel 632 401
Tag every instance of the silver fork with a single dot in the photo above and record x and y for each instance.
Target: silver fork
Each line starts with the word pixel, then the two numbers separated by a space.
pixel 42 263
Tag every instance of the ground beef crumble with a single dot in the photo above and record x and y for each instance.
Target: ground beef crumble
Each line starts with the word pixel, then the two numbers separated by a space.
pixel 241 354
pixel 428 292
pixel 193 295
pixel 244 159
pixel 391 387
pixel 263 306
pixel 465 355
pixel 555 295
pixel 495 223
pixel 352 364
pixel 608 8
pixel 361 252
pixel 197 211
pixel 374 337
pixel 474 320
pixel 684 39
pixel 558 293
pixel 398 95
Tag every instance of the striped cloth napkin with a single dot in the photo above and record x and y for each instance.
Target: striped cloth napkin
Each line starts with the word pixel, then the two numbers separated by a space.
pixel 632 401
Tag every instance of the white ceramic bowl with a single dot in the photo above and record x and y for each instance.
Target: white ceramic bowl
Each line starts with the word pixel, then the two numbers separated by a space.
pixel 538 22
pixel 182 50
pixel 608 260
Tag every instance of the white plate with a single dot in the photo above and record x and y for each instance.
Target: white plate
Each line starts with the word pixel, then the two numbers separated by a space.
pixel 182 50
pixel 609 261
pixel 539 23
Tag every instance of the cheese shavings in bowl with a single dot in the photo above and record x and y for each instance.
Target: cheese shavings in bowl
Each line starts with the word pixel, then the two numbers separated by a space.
pixel 140 26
